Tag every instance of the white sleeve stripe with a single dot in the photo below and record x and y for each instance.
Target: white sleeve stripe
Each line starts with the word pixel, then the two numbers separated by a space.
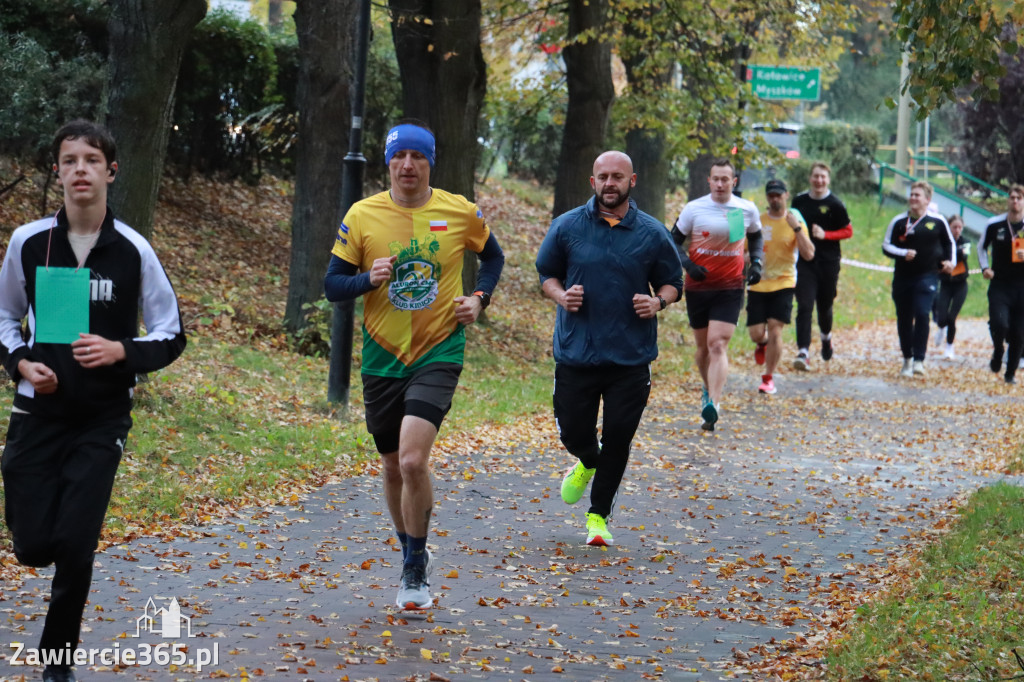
pixel 157 299
pixel 155 336
pixel 887 244
pixel 13 297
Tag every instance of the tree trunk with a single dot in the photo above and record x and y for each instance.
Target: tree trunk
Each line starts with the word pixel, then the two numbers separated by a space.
pixel 275 14
pixel 647 150
pixel 720 132
pixel 698 169
pixel 648 73
pixel 325 34
pixel 147 42
pixel 444 81
pixel 589 75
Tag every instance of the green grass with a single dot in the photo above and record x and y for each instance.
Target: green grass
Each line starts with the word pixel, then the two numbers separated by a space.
pixel 961 616
pixel 234 432
pixel 500 388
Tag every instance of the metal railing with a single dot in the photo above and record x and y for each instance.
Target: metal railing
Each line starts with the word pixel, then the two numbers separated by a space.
pixel 957 174
pixel 973 215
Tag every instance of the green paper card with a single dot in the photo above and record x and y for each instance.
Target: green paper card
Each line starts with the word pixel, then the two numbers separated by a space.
pixel 62 304
pixel 737 229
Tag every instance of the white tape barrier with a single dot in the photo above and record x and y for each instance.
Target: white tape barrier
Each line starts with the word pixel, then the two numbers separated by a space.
pixel 882 268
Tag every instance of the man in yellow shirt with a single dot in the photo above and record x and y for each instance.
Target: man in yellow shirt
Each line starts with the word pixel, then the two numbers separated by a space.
pixel 402 251
pixel 770 301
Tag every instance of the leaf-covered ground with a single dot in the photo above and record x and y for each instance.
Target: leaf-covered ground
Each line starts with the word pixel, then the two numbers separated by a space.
pixel 743 552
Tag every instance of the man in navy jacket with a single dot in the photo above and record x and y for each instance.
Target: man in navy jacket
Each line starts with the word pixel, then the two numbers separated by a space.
pixel 611 268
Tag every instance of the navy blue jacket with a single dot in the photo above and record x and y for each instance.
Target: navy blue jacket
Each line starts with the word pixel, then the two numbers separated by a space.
pixel 636 256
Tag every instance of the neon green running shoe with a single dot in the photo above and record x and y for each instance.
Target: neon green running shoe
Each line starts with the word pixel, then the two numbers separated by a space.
pixel 575 483
pixel 597 531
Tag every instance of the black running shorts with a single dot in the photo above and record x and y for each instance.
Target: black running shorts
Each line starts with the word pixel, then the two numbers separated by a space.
pixel 769 305
pixel 426 393
pixel 722 305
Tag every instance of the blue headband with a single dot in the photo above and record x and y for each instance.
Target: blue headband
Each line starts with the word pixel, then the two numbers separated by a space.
pixel 408 136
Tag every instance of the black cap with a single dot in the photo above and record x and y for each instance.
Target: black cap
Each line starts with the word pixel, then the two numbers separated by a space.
pixel 775 186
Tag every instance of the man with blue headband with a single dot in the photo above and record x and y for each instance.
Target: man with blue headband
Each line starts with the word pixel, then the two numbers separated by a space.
pixel 402 251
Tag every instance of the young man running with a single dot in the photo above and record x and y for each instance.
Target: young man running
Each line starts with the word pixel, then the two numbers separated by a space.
pixel 1004 235
pixel 817 278
pixel 921 245
pixel 80 279
pixel 710 234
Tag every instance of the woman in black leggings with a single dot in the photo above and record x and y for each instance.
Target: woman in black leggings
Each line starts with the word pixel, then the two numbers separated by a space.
pixel 952 290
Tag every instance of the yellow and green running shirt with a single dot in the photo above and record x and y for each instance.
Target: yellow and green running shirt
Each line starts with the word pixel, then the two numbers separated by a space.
pixel 780 253
pixel 410 321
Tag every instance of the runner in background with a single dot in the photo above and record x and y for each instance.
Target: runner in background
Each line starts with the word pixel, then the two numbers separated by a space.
pixel 710 235
pixel 770 301
pixel 1005 236
pixel 817 278
pixel 921 245
pixel 952 290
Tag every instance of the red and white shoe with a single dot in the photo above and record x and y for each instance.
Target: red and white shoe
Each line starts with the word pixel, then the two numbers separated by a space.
pixel 759 353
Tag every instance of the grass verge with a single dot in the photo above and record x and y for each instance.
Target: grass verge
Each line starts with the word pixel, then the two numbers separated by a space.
pixel 961 615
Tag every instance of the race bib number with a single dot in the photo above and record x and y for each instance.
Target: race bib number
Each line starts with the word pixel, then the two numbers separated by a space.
pixel 62 304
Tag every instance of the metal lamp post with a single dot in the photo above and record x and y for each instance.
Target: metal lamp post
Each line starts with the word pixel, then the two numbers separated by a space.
pixel 343 321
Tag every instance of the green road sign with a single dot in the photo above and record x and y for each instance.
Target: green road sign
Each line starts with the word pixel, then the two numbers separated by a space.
pixel 785 82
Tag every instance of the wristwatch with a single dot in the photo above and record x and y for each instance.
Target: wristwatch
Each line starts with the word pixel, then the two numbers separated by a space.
pixel 485 298
pixel 664 303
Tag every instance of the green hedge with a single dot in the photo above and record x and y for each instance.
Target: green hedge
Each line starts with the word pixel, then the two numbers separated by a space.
pixel 52 69
pixel 848 150
pixel 229 72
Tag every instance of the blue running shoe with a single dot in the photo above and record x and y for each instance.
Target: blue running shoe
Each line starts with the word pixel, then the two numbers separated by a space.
pixel 710 415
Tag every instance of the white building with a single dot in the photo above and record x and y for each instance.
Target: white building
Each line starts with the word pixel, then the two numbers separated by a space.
pixel 240 8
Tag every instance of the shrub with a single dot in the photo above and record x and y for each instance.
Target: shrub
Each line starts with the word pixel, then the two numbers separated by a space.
pixel 526 123
pixel 52 69
pixel 228 73
pixel 41 91
pixel 848 150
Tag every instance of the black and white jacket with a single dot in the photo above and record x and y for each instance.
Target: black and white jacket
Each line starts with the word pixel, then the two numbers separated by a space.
pixel 928 235
pixel 125 278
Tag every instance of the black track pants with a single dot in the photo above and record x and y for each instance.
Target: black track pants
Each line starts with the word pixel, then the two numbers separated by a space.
pixel 57 481
pixel 577 397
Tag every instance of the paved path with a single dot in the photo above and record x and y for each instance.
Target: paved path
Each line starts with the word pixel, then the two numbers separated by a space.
pixel 728 546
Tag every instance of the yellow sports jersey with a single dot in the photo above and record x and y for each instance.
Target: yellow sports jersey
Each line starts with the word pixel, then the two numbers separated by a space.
pixel 410 321
pixel 779 253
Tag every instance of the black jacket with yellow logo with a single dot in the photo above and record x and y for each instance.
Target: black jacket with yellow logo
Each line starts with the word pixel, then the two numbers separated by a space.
pixel 928 235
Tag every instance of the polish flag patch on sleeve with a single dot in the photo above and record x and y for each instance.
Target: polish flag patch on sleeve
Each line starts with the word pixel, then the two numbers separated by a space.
pixel 438 225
